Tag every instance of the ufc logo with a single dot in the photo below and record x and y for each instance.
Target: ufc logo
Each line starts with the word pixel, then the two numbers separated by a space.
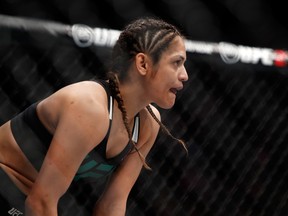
pixel 14 212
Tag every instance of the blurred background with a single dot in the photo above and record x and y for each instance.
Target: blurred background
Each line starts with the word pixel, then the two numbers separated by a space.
pixel 232 115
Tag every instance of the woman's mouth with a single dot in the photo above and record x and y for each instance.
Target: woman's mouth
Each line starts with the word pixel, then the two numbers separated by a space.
pixel 174 90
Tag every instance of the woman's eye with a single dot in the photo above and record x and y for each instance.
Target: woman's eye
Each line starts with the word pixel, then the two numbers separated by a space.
pixel 178 62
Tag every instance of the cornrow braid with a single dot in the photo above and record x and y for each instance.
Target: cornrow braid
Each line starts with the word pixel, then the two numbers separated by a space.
pixel 114 87
pixel 151 36
pixel 147 35
pixel 164 128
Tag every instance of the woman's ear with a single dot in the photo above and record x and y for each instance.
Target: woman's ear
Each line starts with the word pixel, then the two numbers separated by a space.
pixel 142 63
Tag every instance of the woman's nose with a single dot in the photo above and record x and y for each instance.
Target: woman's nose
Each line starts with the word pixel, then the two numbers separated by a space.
pixel 183 75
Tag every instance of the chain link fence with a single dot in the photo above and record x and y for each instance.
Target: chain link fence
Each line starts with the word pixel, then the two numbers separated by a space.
pixel 233 118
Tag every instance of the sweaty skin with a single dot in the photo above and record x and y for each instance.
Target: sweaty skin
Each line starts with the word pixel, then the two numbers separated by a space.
pixel 78 118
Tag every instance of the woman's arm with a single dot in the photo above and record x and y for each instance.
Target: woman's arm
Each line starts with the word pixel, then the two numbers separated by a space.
pixel 114 199
pixel 78 131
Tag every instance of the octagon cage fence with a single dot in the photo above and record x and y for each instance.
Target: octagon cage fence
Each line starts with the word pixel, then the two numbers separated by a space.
pixel 232 114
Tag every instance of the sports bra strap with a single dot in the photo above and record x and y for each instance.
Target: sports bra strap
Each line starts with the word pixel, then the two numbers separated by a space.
pixel 102 146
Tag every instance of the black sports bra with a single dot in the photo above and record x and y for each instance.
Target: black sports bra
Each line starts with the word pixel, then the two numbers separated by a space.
pixel 96 164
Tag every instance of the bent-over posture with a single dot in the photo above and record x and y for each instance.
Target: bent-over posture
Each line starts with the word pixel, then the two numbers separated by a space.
pixel 93 129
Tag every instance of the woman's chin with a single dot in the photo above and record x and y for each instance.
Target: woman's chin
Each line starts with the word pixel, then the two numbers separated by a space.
pixel 166 105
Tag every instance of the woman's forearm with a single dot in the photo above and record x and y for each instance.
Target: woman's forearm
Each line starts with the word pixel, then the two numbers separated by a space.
pixel 109 209
pixel 38 207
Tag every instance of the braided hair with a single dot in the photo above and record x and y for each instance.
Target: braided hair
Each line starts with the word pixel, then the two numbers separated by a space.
pixel 147 35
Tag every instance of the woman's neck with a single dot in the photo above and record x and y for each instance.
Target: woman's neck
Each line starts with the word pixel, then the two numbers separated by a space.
pixel 135 99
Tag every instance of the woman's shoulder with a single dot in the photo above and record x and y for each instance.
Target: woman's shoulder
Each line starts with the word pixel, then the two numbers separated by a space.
pixel 85 97
pixel 149 125
pixel 82 92
pixel 150 113
pixel 76 111
pixel 85 88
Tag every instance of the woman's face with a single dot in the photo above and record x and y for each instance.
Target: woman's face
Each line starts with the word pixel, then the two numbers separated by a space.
pixel 169 74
